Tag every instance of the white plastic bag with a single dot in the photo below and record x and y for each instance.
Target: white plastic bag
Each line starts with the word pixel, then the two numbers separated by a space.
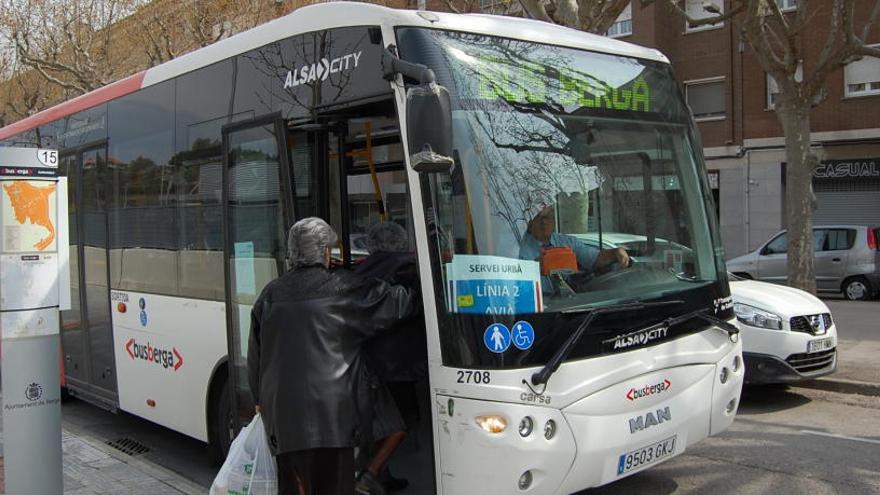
pixel 249 468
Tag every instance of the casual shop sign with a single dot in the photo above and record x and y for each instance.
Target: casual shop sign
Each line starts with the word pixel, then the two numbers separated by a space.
pixel 845 169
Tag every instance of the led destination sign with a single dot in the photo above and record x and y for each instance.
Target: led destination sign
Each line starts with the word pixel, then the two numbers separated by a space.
pixel 523 84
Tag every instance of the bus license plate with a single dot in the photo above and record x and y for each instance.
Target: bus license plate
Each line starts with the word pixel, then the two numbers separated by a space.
pixel 645 455
pixel 819 345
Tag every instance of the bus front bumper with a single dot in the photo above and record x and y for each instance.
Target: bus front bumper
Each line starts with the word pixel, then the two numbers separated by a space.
pixel 615 432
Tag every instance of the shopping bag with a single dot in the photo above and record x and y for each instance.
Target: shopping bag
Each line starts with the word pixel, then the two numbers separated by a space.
pixel 249 469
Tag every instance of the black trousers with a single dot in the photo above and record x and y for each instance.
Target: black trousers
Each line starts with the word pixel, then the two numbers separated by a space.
pixel 316 472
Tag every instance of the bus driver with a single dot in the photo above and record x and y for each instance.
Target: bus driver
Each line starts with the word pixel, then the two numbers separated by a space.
pixel 541 233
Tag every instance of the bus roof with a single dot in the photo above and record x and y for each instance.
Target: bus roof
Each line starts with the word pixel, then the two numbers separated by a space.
pixel 322 16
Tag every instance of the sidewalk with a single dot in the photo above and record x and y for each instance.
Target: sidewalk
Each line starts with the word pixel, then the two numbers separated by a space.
pixel 858 371
pixel 92 468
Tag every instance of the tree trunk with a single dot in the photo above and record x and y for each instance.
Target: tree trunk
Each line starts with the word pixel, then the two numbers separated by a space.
pixel 799 193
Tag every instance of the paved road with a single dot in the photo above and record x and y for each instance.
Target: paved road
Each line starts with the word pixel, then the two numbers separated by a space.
pixel 784 441
pixel 856 320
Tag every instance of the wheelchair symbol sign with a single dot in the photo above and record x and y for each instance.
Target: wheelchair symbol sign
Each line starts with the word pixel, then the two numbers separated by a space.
pixel 523 335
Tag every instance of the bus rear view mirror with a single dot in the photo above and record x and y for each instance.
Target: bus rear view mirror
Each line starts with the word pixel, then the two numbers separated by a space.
pixel 429 128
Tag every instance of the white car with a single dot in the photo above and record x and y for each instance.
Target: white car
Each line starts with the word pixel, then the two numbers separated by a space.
pixel 787 334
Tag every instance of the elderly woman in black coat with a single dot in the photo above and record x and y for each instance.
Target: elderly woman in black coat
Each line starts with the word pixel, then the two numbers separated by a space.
pixel 305 363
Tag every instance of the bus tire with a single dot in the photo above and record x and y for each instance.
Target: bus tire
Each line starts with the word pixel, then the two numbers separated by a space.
pixel 220 421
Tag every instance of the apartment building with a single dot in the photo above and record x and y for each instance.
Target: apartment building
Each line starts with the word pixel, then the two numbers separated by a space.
pixel 732 99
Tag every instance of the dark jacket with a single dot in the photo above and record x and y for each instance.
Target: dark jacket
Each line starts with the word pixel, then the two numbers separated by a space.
pixel 304 359
pixel 399 354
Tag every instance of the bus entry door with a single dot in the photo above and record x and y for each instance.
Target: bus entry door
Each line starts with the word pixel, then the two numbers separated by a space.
pixel 256 211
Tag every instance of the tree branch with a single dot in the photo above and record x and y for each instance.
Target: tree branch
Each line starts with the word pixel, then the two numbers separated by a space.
pixel 536 10
pixel 710 20
pixel 875 13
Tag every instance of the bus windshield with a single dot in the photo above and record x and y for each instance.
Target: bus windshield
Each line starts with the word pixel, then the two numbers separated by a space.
pixel 564 158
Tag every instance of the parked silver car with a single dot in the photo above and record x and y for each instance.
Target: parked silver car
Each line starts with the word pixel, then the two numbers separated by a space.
pixel 847 260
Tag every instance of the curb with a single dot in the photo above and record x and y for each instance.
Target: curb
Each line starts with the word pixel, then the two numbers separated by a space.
pixel 171 479
pixel 842 386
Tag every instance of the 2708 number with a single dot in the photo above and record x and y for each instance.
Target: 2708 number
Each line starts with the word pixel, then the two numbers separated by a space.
pixel 468 376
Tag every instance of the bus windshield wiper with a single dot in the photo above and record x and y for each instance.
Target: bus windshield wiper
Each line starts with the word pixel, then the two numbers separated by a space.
pixel 718 322
pixel 542 376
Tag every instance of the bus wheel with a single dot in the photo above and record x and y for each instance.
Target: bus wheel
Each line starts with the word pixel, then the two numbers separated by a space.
pixel 221 425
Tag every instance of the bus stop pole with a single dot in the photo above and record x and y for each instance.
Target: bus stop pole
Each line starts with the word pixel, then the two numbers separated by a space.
pixel 33 253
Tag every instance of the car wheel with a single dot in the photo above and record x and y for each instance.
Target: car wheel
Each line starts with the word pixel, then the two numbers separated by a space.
pixel 857 289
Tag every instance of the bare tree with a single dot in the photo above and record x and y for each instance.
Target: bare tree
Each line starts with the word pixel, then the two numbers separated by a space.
pixel 170 29
pixel 592 16
pixel 779 41
pixel 81 45
pixel 22 92
pixel 68 42
pixel 6 71
pixel 499 7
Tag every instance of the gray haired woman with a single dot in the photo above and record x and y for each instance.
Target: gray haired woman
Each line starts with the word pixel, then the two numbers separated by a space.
pixel 304 365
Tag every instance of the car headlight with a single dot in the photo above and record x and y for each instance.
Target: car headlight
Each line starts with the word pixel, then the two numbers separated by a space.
pixel 755 317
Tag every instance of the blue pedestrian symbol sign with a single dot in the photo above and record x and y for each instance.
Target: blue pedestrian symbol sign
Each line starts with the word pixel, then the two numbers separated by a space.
pixel 143 318
pixel 523 335
pixel 497 338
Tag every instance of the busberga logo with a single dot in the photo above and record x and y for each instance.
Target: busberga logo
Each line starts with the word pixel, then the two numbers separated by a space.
pixel 148 352
pixel 638 393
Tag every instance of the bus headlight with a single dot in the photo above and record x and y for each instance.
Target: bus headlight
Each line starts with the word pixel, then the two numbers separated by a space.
pixel 549 429
pixel 492 423
pixel 525 426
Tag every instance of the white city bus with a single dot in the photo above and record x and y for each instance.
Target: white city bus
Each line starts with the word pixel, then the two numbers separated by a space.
pixel 545 374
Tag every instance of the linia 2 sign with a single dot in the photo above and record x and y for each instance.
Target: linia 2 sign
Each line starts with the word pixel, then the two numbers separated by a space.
pixel 321 69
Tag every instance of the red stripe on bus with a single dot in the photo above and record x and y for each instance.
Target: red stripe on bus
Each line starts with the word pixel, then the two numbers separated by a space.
pixel 114 90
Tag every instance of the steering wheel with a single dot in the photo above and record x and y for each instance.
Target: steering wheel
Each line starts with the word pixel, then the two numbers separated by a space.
pixel 607 277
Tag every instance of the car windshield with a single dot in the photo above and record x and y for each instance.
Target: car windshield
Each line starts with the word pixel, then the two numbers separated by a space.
pixel 561 157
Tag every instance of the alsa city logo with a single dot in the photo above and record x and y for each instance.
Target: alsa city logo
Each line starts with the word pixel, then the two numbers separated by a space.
pixel 321 69
pixel 165 358
pixel 639 337
pixel 638 393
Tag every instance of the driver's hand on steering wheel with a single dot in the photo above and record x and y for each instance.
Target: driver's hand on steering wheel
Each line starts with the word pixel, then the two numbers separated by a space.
pixel 617 255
